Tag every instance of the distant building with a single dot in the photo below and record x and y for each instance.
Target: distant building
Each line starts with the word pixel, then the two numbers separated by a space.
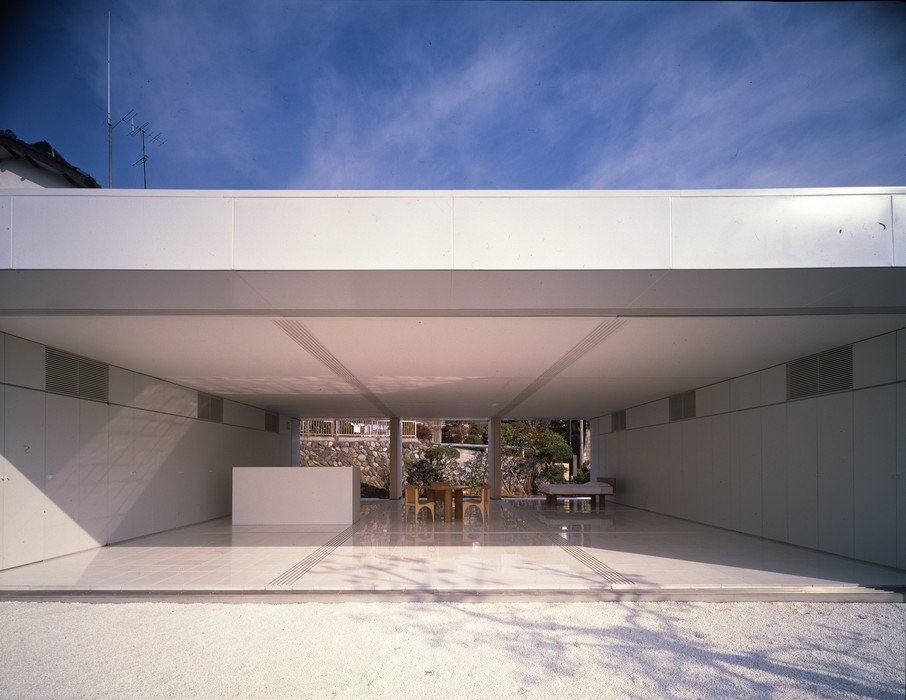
pixel 37 165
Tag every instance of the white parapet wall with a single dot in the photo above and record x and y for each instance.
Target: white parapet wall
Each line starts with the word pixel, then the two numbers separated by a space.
pixel 296 495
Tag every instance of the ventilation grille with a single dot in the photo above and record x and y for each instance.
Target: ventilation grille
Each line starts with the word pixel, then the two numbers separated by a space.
pixel 272 422
pixel 820 374
pixel 682 406
pixel 71 375
pixel 210 408
pixel 618 421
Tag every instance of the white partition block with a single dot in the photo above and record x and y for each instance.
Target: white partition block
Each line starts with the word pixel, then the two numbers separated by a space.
pixel 296 495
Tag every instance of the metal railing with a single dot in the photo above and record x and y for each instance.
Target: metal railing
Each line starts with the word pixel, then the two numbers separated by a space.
pixel 332 427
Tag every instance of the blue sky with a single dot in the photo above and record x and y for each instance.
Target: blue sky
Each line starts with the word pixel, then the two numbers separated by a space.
pixel 278 94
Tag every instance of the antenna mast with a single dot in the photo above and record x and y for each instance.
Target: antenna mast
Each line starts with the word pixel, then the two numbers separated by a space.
pixel 144 131
pixel 109 122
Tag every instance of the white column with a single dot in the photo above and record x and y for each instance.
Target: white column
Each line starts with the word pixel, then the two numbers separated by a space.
pixel 495 461
pixel 295 449
pixel 396 458
pixel 594 440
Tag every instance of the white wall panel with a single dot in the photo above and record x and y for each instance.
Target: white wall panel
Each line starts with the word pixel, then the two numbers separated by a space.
pixel 561 233
pixel 241 414
pixel 746 471
pixel 899 229
pixel 24 362
pixel 5 466
pixel 654 413
pixel 698 466
pixel 713 399
pixel 875 474
pixel 723 505
pixel 773 385
pixel 901 355
pixel 802 478
pixel 835 474
pixel 121 386
pixel 103 232
pixel 901 475
pixel 875 361
pixel 157 395
pixel 669 459
pixel 774 469
pixel 23 496
pixel 343 233
pixel 745 392
pixel 6 232
pixel 95 519
pixel 128 479
pixel 777 231
pixel 62 483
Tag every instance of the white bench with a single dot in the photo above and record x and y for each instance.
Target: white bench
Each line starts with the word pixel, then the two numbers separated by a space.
pixel 595 491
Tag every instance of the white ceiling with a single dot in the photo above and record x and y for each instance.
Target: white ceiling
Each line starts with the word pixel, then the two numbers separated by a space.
pixel 428 365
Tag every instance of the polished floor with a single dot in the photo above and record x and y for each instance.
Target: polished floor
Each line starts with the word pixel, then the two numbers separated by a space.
pixel 526 548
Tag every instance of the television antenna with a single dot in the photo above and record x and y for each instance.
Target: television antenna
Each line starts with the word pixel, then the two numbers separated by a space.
pixel 154 137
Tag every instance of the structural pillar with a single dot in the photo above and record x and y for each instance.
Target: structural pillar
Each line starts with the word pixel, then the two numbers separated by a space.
pixel 495 460
pixel 594 446
pixel 396 458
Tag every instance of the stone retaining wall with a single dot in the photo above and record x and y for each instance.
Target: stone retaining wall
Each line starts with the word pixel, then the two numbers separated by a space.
pixel 370 454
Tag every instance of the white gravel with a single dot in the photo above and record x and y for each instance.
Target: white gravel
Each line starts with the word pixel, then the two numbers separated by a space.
pixel 452 650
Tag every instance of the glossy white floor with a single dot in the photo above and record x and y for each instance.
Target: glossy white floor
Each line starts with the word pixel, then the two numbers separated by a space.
pixel 526 547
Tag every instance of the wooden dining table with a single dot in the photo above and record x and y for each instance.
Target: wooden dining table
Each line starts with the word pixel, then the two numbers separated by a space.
pixel 447 493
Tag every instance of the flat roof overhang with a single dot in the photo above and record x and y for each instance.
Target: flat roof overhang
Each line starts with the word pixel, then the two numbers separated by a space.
pixel 421 304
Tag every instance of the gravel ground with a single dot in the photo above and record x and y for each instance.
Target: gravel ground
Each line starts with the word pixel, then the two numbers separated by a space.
pixel 452 650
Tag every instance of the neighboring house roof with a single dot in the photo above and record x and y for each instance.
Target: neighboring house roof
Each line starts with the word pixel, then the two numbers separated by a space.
pixel 43 156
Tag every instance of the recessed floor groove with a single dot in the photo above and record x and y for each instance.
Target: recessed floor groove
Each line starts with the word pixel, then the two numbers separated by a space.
pixel 290 576
pixel 596 565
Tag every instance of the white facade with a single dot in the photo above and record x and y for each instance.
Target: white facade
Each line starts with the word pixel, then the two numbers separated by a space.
pixel 457 304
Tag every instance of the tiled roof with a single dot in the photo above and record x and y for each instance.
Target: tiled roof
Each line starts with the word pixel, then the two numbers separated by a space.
pixel 42 155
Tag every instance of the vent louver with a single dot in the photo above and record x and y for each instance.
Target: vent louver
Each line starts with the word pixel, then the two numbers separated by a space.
pixel 820 374
pixel 618 421
pixel 682 406
pixel 272 422
pixel 210 408
pixel 71 375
